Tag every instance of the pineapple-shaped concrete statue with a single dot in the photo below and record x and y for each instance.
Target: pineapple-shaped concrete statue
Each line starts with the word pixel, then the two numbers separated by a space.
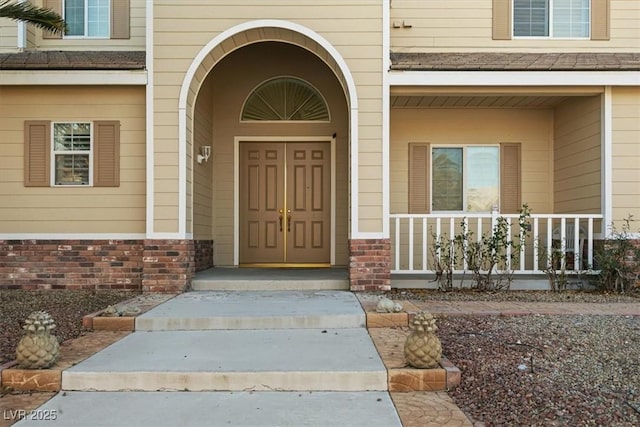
pixel 38 349
pixel 422 349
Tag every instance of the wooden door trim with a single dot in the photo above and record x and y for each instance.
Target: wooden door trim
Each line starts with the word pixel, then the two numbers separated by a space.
pixel 236 185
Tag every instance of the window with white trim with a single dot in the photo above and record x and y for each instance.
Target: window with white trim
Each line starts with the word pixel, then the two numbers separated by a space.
pixel 71 157
pixel 552 18
pixel 465 178
pixel 87 18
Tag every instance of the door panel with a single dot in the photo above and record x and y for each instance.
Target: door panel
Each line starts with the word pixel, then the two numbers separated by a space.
pixel 285 193
pixel 261 197
pixel 309 188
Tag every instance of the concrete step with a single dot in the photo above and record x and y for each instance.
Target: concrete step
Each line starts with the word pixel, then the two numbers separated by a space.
pixel 240 360
pixel 240 409
pixel 206 310
pixel 271 279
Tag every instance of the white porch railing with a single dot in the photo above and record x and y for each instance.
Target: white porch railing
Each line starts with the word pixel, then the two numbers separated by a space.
pixel 414 237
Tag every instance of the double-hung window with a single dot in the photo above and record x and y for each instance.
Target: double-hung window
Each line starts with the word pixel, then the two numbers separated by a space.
pixel 62 154
pixel 72 153
pixel 465 178
pixel 552 18
pixel 87 18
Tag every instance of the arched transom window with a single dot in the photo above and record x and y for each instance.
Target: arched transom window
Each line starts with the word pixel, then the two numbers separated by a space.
pixel 285 99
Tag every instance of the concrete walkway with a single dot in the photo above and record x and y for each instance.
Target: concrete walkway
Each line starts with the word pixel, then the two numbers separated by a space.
pixel 314 365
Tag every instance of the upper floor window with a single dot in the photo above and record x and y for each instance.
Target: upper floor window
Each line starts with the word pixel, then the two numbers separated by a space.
pixel 87 18
pixel 551 18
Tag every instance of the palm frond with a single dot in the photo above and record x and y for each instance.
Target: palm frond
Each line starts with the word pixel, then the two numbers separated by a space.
pixel 38 16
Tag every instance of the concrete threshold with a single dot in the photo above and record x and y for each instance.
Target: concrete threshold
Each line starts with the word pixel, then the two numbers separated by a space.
pixel 271 279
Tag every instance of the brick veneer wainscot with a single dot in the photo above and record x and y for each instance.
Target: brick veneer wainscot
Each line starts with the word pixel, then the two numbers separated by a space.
pixel 168 265
pixel 204 254
pixel 71 264
pixel 370 264
pixel 147 265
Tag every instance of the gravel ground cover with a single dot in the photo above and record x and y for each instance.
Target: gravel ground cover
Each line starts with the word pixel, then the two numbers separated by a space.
pixel 66 307
pixel 523 296
pixel 546 370
pixel 542 370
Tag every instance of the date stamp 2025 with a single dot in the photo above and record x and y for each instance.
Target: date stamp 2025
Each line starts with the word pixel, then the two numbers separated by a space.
pixel 33 414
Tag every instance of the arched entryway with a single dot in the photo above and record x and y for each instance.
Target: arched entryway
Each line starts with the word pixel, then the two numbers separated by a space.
pixel 275 189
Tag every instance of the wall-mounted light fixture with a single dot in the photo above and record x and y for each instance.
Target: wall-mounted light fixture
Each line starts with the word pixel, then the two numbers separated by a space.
pixel 205 153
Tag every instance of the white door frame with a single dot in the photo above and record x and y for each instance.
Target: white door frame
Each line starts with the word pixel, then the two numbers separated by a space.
pixel 236 185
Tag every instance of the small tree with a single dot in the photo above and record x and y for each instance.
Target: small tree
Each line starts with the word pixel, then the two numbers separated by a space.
pixel 618 261
pixel 38 16
pixel 490 259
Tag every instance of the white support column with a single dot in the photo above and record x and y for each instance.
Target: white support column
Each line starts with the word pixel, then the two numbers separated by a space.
pixel 150 122
pixel 607 161
pixel 386 66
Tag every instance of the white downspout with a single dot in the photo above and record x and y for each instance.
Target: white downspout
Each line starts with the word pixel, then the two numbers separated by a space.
pixel 22 34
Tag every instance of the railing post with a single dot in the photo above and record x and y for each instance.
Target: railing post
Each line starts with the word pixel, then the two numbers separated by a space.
pixel 494 217
pixel 410 243
pixel 397 244
pixel 425 244
pixel 536 245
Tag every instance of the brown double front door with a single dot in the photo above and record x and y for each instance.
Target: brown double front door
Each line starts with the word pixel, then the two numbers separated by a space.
pixel 285 197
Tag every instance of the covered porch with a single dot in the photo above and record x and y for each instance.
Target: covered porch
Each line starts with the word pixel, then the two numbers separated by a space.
pixel 464 159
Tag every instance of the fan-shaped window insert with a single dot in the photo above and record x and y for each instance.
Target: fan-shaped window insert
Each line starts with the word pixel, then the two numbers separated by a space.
pixel 285 98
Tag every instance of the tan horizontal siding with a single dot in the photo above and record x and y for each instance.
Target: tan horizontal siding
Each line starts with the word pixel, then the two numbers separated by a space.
pixel 577 155
pixel 353 28
pixel 203 173
pixel 466 25
pixel 73 210
pixel 8 36
pixel 626 153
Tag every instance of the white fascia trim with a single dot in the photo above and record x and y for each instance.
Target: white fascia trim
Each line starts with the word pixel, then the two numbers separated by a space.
pixel 514 78
pixel 262 23
pixel 386 65
pixel 168 236
pixel 72 236
pixel 182 173
pixel 607 153
pixel 369 235
pixel 150 146
pixel 74 77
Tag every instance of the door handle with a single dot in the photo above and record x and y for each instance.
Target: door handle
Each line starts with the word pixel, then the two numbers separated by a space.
pixel 280 219
pixel 288 220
